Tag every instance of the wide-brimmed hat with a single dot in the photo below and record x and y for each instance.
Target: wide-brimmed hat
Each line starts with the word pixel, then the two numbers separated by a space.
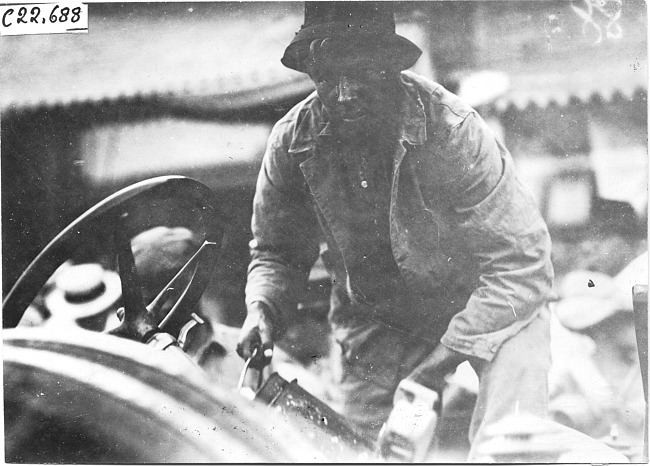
pixel 361 24
pixel 587 298
pixel 83 294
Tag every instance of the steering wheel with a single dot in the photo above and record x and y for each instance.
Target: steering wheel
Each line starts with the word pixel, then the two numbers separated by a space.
pixel 72 395
pixel 117 219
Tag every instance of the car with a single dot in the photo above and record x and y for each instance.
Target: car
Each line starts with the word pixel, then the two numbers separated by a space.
pixel 98 375
pixel 83 386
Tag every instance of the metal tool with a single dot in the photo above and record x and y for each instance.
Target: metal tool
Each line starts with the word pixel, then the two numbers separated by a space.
pixel 182 336
pixel 249 392
pixel 337 438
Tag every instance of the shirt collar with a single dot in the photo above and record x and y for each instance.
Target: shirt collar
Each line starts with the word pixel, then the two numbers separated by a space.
pixel 315 122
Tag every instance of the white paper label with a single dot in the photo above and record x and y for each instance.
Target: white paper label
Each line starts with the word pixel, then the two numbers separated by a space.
pixel 43 18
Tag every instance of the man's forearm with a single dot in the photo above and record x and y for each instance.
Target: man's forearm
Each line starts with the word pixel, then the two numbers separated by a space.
pixel 277 283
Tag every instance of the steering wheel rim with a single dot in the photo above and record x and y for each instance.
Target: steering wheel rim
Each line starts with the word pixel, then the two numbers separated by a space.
pixel 85 226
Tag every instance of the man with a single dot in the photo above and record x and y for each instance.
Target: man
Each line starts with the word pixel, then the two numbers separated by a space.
pixel 437 253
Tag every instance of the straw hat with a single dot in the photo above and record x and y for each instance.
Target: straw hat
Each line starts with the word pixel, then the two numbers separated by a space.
pixel 82 292
pixel 587 298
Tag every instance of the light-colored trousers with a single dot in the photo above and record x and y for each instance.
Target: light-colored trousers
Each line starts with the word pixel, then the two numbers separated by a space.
pixel 373 358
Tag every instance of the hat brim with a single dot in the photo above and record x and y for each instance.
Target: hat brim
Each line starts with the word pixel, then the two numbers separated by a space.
pixel 61 308
pixel 395 49
pixel 582 312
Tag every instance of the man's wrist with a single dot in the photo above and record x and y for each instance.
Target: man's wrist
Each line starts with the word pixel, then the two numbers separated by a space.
pixel 259 307
pixel 433 371
pixel 428 379
pixel 263 310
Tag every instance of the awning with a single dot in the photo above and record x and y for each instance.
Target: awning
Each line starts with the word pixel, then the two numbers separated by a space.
pixel 519 68
pixel 204 53
pixel 541 87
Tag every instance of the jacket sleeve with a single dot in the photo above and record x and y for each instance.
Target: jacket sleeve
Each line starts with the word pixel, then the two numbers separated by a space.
pixel 285 231
pixel 500 227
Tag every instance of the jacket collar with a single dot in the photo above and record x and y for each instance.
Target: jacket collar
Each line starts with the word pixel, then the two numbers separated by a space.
pixel 315 121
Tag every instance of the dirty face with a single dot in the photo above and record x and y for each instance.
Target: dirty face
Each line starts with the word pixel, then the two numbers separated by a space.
pixel 359 92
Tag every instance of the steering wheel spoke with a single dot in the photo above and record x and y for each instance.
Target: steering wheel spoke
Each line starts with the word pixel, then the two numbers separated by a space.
pixel 206 249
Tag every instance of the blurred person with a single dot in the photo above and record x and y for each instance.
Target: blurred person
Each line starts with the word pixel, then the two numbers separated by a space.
pixel 436 252
pixel 81 295
pixel 598 390
pixel 159 254
pixel 634 273
pixel 37 312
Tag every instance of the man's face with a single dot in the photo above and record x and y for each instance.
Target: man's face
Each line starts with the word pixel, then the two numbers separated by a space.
pixel 358 91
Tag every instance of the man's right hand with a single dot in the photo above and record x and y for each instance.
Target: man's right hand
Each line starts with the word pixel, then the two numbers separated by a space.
pixel 257 332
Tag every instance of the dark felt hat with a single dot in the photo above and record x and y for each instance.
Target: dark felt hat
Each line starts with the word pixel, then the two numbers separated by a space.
pixel 358 24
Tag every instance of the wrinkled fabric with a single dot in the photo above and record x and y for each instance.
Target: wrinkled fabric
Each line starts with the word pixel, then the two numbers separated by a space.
pixel 375 359
pixel 373 275
pixel 469 242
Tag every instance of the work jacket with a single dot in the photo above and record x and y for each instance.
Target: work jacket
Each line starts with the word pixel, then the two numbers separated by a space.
pixel 469 242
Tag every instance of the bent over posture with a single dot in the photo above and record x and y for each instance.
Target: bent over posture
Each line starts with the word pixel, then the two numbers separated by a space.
pixel 436 252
